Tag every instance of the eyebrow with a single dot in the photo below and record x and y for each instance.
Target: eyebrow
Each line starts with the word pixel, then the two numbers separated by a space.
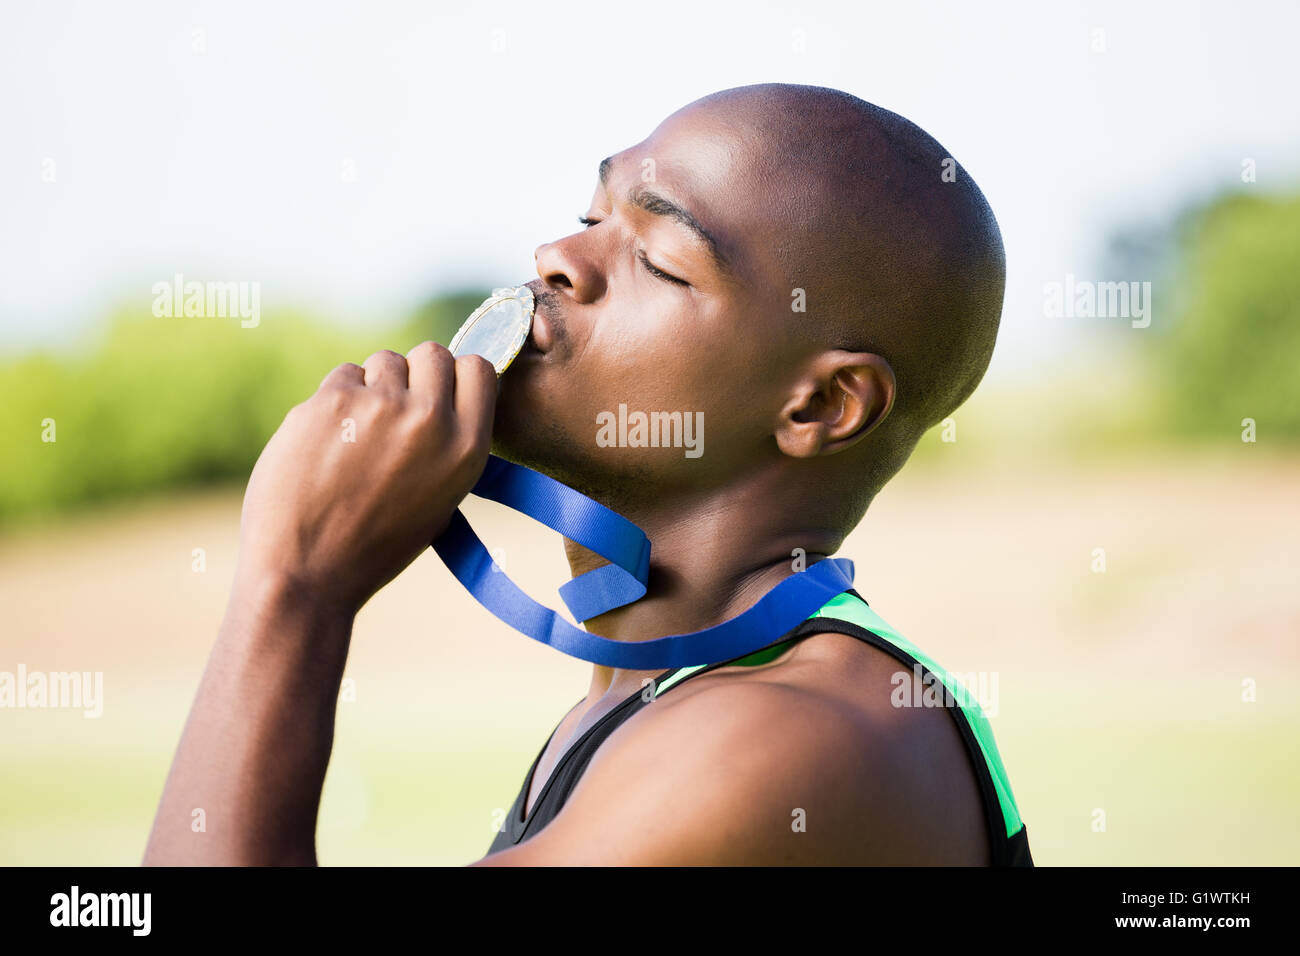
pixel 658 205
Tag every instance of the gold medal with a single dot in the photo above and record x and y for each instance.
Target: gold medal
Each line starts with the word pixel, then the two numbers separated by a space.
pixel 498 328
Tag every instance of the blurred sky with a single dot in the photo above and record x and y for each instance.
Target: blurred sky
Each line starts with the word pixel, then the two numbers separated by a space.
pixel 474 131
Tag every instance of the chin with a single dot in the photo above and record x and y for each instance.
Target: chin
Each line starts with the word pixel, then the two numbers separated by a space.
pixel 546 448
pixel 515 433
pixel 529 439
pixel 537 435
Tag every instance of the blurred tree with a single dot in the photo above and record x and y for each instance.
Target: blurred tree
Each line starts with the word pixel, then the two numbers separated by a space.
pixel 1230 347
pixel 155 404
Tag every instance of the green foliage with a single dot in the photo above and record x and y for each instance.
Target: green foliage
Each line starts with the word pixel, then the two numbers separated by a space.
pixel 162 403
pixel 1233 344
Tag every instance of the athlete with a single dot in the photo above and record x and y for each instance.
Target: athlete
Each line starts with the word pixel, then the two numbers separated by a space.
pixel 817 281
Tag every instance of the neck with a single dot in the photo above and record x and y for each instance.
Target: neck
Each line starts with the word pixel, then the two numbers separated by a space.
pixel 708 563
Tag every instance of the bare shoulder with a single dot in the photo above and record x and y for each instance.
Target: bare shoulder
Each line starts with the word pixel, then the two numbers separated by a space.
pixel 803 761
pixel 890 784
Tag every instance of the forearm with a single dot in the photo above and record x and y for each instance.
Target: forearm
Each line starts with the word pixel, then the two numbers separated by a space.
pixel 257 743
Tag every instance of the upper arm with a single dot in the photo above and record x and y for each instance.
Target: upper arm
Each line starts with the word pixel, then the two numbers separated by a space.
pixel 753 773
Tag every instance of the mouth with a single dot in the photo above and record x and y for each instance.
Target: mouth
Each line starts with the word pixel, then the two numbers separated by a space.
pixel 540 336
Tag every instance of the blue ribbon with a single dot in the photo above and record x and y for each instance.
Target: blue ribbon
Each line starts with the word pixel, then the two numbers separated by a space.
pixel 616 584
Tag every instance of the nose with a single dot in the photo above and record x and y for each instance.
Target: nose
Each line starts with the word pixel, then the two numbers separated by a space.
pixel 548 267
pixel 570 264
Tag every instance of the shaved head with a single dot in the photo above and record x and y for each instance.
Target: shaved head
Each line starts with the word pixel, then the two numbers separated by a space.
pixel 897 258
pixel 902 260
pixel 812 275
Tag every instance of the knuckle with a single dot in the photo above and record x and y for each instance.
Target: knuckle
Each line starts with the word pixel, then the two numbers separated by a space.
pixel 431 349
pixel 442 358
pixel 435 360
pixel 338 374
pixel 386 357
pixel 335 401
pixel 475 365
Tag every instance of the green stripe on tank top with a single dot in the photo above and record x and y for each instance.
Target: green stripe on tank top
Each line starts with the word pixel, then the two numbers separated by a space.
pixel 846 607
pixel 750 660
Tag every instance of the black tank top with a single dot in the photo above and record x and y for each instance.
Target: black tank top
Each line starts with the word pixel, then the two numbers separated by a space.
pixel 1007 850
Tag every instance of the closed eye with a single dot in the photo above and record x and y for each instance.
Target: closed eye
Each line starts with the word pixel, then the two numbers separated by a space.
pixel 649 266
pixel 658 273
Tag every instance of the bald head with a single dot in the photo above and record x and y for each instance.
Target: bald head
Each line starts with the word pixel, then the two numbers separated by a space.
pixel 810 274
pixel 894 244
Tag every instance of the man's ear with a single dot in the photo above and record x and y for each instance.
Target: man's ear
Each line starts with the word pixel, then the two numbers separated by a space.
pixel 840 398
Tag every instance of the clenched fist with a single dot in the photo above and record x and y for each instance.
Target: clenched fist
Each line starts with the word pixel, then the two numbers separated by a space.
pixel 359 479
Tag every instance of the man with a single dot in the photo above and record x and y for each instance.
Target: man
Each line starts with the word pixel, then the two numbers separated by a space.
pixel 822 283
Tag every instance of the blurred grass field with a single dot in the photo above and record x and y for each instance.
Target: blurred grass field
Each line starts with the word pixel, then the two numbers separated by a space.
pixel 1215 788
pixel 1119 691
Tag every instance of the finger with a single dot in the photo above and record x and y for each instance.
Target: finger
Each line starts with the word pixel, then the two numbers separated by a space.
pixel 432 374
pixel 347 374
pixel 476 395
pixel 386 369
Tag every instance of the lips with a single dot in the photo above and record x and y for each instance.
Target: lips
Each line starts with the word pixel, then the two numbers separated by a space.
pixel 540 336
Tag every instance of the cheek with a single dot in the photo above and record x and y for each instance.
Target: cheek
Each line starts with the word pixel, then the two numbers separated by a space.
pixel 654 359
pixel 705 380
pixel 639 356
